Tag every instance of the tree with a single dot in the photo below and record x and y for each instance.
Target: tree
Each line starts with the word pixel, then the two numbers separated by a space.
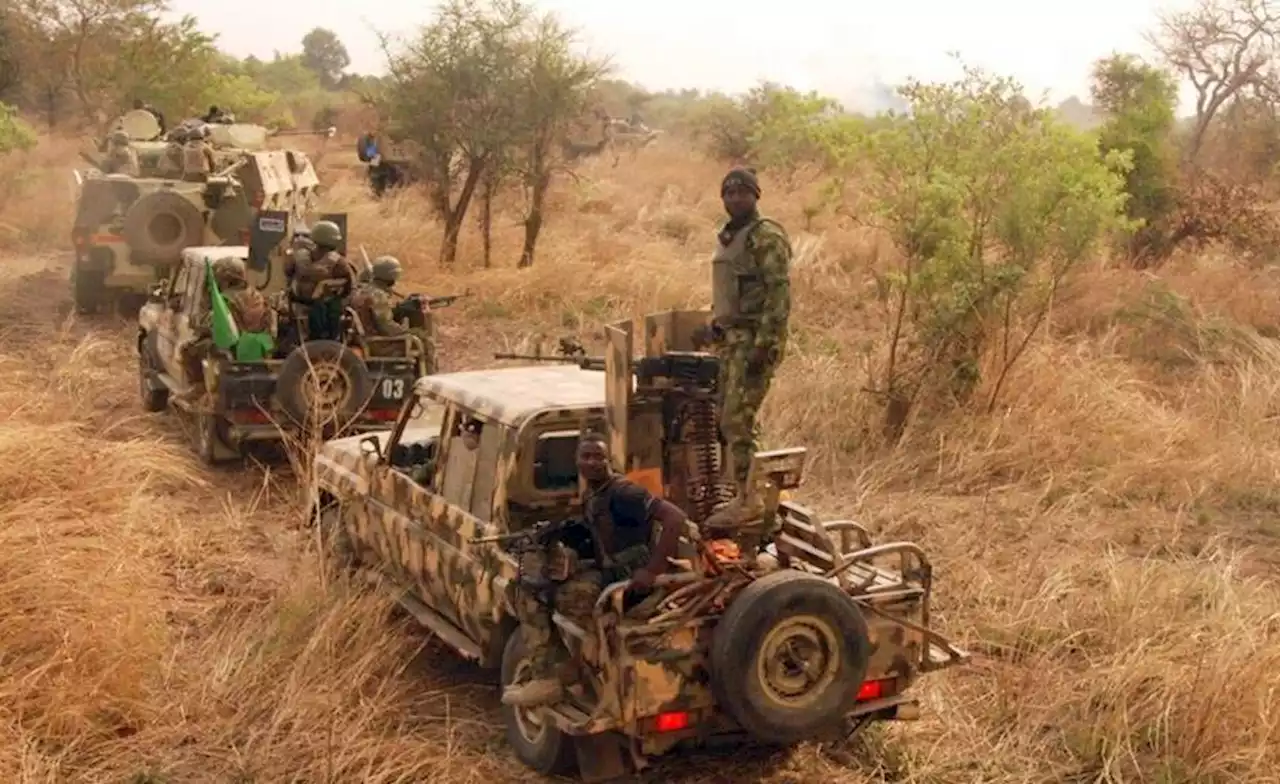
pixel 989 204
pixel 1224 48
pixel 555 88
pixel 450 94
pixel 14 133
pixel 1139 101
pixel 325 56
pixel 104 52
pixel 485 91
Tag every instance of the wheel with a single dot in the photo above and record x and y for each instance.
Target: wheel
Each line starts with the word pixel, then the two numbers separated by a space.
pixel 788 657
pixel 324 379
pixel 536 743
pixel 153 399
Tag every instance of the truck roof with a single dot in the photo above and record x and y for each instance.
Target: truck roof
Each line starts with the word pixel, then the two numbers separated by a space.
pixel 513 395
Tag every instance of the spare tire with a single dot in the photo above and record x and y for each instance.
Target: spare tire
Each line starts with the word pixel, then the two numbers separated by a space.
pixel 323 381
pixel 160 225
pixel 760 673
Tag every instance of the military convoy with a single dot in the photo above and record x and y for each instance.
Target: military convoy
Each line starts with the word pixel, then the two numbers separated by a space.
pixel 354 384
pixel 129 232
pixel 819 630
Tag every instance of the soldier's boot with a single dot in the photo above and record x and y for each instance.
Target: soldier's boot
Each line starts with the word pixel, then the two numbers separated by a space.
pixel 534 693
pixel 739 512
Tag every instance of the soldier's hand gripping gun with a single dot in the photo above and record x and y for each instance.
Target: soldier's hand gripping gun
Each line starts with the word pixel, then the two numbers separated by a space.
pixel 542 559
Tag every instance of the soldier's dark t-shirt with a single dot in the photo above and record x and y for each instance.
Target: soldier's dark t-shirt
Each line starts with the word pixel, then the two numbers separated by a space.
pixel 630 507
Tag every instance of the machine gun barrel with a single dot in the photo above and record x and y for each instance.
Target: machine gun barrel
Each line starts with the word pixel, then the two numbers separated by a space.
pixel 586 363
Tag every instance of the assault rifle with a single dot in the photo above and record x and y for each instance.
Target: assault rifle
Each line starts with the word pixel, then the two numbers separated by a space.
pixel 536 536
pixel 412 307
pixel 571 351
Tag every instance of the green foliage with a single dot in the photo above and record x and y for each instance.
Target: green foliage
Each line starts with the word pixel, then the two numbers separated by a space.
pixel 990 204
pixel 14 133
pixel 484 89
pixel 1139 101
pixel 325 56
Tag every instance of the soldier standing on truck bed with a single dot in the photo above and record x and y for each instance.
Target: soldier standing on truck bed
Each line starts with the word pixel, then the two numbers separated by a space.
pixel 751 295
pixel 121 157
pixel 320 280
pixel 621 516
pixel 197 155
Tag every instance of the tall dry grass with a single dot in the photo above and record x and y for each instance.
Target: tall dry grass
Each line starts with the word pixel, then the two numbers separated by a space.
pixel 1105 542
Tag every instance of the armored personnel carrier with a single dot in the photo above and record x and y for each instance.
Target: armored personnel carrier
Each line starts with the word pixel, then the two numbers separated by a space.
pixel 129 232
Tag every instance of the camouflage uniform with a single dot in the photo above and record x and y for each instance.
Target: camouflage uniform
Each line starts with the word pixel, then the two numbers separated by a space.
pixel 752 305
pixel 249 308
pixel 312 264
pixel 121 157
pixel 197 157
pixel 619 514
pixel 375 302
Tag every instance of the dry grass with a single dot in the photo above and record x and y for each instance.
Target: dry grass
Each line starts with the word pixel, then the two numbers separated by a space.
pixel 1104 543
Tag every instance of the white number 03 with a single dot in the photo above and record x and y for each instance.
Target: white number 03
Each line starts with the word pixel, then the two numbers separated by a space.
pixel 392 388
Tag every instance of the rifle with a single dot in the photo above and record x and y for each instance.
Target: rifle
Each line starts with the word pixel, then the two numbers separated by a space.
pixel 539 534
pixel 412 307
pixel 586 363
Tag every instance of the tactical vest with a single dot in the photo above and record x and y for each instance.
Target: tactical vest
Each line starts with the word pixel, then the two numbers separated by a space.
pixel 616 547
pixel 310 273
pixel 733 270
pixel 193 159
pixel 249 309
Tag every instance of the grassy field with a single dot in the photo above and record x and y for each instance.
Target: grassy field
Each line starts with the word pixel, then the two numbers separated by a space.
pixel 1105 543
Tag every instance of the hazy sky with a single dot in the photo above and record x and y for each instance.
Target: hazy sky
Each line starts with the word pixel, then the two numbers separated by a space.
pixel 841 49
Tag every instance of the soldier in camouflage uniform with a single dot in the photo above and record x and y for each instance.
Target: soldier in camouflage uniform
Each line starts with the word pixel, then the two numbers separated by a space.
pixel 320 280
pixel 375 302
pixel 249 309
pixel 121 157
pixel 621 516
pixel 197 156
pixel 751 293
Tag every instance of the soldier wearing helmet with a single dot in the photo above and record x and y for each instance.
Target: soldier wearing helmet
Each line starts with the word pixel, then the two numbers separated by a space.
pixel 248 306
pixel 121 157
pixel 197 155
pixel 320 280
pixel 375 302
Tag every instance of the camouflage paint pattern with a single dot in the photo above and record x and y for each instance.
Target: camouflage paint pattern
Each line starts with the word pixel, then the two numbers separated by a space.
pixel 645 666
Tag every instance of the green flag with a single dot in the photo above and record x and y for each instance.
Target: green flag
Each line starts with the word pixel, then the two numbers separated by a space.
pixel 225 334
pixel 249 346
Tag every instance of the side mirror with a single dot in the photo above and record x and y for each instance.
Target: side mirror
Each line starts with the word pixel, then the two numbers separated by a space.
pixel 370 445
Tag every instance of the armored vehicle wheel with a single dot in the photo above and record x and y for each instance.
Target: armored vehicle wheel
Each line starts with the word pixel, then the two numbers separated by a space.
pixel 789 656
pixel 324 379
pixel 535 741
pixel 160 224
pixel 155 396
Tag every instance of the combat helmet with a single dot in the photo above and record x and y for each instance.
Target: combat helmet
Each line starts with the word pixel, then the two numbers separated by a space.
pixel 230 271
pixel 326 234
pixel 120 137
pixel 386 269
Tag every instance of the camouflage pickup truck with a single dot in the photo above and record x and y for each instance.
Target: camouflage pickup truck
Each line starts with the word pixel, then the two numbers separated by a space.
pixel 354 385
pixel 815 631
